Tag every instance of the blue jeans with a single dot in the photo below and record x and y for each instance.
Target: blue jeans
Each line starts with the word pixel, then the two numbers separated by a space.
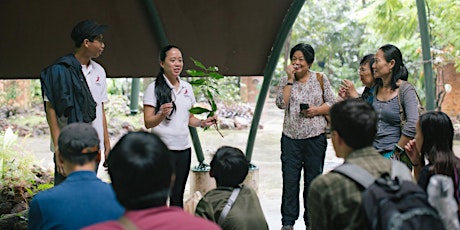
pixel 297 154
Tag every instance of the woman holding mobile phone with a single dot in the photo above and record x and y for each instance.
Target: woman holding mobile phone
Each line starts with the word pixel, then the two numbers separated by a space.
pixel 303 142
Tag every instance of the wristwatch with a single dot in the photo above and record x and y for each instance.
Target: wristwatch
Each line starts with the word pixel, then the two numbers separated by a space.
pixel 289 83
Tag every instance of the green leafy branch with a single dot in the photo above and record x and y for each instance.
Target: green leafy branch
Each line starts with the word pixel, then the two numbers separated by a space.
pixel 208 85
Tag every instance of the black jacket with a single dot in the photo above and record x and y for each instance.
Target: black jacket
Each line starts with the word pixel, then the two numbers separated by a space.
pixel 66 88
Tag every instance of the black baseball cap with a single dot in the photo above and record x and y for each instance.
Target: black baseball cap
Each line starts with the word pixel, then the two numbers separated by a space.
pixel 87 29
pixel 78 139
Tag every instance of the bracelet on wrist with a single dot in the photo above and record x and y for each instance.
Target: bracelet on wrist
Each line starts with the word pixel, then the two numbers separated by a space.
pixel 201 123
pixel 289 83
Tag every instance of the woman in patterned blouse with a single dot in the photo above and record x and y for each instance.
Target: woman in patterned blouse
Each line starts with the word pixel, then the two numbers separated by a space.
pixel 303 142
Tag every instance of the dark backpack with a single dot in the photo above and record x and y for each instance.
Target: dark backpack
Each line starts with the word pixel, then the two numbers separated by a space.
pixel 392 203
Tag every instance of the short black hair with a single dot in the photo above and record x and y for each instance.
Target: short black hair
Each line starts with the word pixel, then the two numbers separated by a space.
pixel 307 51
pixel 86 29
pixel 229 166
pixel 355 121
pixel 140 168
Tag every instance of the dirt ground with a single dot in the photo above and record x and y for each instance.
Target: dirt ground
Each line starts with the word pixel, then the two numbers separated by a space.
pixel 266 156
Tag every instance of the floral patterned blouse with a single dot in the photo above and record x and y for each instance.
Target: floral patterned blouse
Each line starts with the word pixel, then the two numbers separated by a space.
pixel 297 126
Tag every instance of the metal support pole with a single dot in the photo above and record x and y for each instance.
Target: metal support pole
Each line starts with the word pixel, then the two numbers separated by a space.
pixel 134 100
pixel 163 40
pixel 427 64
pixel 268 72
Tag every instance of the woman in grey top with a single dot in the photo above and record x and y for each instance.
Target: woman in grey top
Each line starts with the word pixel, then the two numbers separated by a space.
pixel 390 74
pixel 303 142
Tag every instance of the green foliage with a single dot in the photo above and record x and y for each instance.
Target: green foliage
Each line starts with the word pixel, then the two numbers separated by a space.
pixel 341 32
pixel 396 22
pixel 18 175
pixel 229 90
pixel 35 92
pixel 335 34
pixel 444 27
pixel 118 86
pixel 207 84
pixel 117 105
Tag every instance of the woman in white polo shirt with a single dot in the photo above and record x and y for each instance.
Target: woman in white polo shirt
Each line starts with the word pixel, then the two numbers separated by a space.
pixel 166 110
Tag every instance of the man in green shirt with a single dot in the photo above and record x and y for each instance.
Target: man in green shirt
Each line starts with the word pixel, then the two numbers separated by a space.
pixel 334 201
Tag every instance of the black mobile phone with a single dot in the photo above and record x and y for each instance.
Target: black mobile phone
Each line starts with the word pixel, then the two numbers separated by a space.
pixel 304 106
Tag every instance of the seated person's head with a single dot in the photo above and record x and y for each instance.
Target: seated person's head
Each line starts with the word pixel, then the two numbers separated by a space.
pixel 78 143
pixel 355 122
pixel 141 170
pixel 434 135
pixel 229 166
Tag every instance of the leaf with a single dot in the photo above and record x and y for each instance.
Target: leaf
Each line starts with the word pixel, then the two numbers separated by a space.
pixel 198 82
pixel 216 90
pixel 199 110
pixel 197 63
pixel 195 73
pixel 210 96
pixel 215 75
pixel 213 69
pixel 214 106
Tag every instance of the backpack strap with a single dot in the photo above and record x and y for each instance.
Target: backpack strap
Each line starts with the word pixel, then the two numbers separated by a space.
pixel 356 173
pixel 228 205
pixel 365 179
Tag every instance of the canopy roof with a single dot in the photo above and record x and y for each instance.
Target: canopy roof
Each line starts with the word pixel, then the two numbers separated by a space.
pixel 237 35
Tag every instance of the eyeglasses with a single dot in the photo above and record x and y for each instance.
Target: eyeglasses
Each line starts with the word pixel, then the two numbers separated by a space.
pixel 362 70
pixel 98 38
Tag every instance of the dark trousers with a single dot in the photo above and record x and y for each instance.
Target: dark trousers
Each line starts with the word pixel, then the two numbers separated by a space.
pixel 297 154
pixel 182 160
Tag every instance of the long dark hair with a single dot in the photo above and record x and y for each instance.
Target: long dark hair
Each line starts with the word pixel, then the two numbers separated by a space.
pixel 163 92
pixel 399 71
pixel 438 134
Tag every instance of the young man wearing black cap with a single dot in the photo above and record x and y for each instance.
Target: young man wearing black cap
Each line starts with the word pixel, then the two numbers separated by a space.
pixel 82 199
pixel 74 88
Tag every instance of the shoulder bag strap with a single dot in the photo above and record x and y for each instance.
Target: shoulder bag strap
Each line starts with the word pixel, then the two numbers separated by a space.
pixel 356 173
pixel 127 224
pixel 402 116
pixel 319 77
pixel 228 205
